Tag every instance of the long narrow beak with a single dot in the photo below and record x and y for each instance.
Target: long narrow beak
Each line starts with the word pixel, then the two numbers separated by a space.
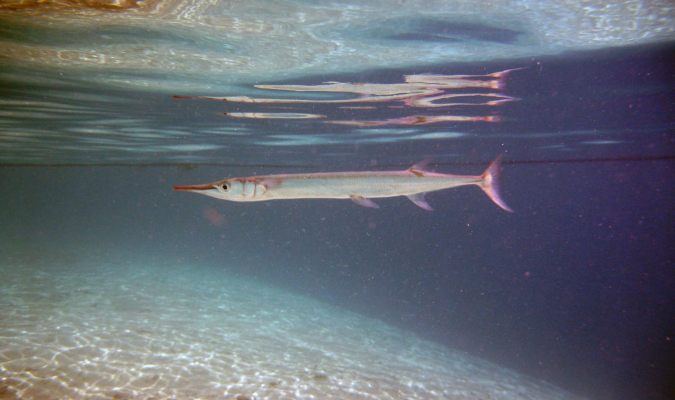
pixel 191 188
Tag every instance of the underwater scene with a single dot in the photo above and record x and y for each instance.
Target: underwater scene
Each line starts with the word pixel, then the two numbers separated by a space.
pixel 208 199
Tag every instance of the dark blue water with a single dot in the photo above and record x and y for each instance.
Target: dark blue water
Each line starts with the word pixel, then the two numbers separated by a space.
pixel 575 288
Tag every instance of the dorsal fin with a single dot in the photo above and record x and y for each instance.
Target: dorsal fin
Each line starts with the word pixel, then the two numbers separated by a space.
pixel 416 171
pixel 420 167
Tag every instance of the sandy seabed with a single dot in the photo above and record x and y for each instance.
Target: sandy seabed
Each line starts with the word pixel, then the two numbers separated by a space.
pixel 117 329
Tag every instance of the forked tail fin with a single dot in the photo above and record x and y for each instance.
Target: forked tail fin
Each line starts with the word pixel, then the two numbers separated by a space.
pixel 490 184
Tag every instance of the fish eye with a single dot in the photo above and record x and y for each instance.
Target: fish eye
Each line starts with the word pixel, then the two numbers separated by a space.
pixel 226 187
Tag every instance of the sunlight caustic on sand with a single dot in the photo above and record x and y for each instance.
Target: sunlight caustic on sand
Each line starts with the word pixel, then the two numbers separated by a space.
pixel 116 329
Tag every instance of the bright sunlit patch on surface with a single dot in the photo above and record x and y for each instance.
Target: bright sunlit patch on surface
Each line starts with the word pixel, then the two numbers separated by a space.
pixel 95 328
pixel 437 135
pixel 602 142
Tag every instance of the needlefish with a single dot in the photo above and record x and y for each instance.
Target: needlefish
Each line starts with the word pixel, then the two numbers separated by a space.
pixel 359 186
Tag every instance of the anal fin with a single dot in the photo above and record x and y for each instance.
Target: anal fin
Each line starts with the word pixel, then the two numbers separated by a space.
pixel 364 202
pixel 420 201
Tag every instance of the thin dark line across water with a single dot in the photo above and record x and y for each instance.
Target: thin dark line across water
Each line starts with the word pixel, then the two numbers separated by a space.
pixel 189 166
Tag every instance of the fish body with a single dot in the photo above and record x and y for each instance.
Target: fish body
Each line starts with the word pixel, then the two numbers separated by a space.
pixel 360 186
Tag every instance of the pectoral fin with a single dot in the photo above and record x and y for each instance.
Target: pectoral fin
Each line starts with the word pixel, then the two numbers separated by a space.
pixel 420 201
pixel 362 201
pixel 271 183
